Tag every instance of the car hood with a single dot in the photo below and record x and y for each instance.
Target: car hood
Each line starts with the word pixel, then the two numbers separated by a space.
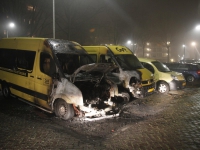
pixel 177 74
pixel 96 70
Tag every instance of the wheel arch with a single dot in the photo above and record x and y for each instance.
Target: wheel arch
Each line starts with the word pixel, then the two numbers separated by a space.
pixel 66 99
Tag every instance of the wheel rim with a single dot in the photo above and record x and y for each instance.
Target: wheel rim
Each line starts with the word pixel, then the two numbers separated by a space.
pixel 190 79
pixel 162 88
pixel 62 110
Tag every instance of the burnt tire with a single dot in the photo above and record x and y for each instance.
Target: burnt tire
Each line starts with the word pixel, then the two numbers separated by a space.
pixel 163 87
pixel 63 110
pixel 6 91
pixel 190 78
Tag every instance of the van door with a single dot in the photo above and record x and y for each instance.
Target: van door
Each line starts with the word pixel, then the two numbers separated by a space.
pixel 24 62
pixel 43 82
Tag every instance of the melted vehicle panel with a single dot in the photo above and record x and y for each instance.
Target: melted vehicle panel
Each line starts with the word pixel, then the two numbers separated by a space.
pixel 83 83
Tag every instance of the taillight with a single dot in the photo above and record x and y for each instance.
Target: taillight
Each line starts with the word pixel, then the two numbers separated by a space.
pixel 198 72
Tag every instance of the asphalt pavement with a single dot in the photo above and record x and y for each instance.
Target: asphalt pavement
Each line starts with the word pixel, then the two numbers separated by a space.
pixel 159 121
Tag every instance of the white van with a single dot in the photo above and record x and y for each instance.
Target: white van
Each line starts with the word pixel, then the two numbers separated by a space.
pixel 166 80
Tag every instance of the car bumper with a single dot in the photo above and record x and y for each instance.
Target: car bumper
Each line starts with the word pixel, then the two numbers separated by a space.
pixel 148 89
pixel 175 85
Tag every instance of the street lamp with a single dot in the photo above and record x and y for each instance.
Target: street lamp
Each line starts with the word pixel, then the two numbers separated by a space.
pixel 130 44
pixel 197 27
pixel 11 25
pixel 183 52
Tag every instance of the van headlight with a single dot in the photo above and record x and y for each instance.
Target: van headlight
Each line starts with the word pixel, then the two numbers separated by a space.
pixel 174 77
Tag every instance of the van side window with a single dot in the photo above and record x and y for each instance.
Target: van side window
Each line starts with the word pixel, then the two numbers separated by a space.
pixel 47 64
pixel 25 59
pixel 17 59
pixel 103 59
pixel 94 57
pixel 106 59
pixel 148 66
pixel 7 58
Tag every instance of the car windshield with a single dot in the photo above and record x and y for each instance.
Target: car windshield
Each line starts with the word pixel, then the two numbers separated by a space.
pixel 160 66
pixel 71 62
pixel 128 62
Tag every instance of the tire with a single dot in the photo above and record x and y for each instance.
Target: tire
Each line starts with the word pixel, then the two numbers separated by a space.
pixel 6 91
pixel 190 78
pixel 63 110
pixel 163 87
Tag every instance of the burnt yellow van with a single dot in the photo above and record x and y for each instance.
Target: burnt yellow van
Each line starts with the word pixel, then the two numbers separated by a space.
pixel 130 69
pixel 57 76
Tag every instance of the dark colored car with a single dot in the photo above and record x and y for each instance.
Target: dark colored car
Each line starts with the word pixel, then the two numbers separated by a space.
pixel 190 71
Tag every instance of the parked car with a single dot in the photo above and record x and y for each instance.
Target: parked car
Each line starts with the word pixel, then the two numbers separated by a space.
pixel 166 80
pixel 190 71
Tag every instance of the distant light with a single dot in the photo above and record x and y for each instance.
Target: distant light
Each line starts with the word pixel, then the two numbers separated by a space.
pixel 172 60
pixel 197 27
pixel 129 42
pixel 168 42
pixel 193 43
pixel 147 43
pixel 183 45
pixel 11 25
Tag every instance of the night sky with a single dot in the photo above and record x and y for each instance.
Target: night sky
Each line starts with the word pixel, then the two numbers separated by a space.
pixel 112 21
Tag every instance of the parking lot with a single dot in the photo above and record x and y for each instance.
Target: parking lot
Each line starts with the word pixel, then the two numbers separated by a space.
pixel 159 121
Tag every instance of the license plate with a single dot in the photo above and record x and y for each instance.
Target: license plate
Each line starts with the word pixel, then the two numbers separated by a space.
pixel 150 90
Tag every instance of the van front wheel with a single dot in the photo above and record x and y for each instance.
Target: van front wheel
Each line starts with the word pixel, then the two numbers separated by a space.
pixel 63 110
pixel 163 87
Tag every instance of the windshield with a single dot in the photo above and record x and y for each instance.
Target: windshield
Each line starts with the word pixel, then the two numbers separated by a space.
pixel 71 62
pixel 128 62
pixel 160 66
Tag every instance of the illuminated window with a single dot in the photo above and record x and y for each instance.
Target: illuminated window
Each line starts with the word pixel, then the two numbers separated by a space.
pixel 30 8
pixel 164 54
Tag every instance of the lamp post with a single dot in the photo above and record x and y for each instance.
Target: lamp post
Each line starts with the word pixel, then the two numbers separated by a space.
pixel 168 45
pixel 11 25
pixel 194 44
pixel 184 52
pixel 53 19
